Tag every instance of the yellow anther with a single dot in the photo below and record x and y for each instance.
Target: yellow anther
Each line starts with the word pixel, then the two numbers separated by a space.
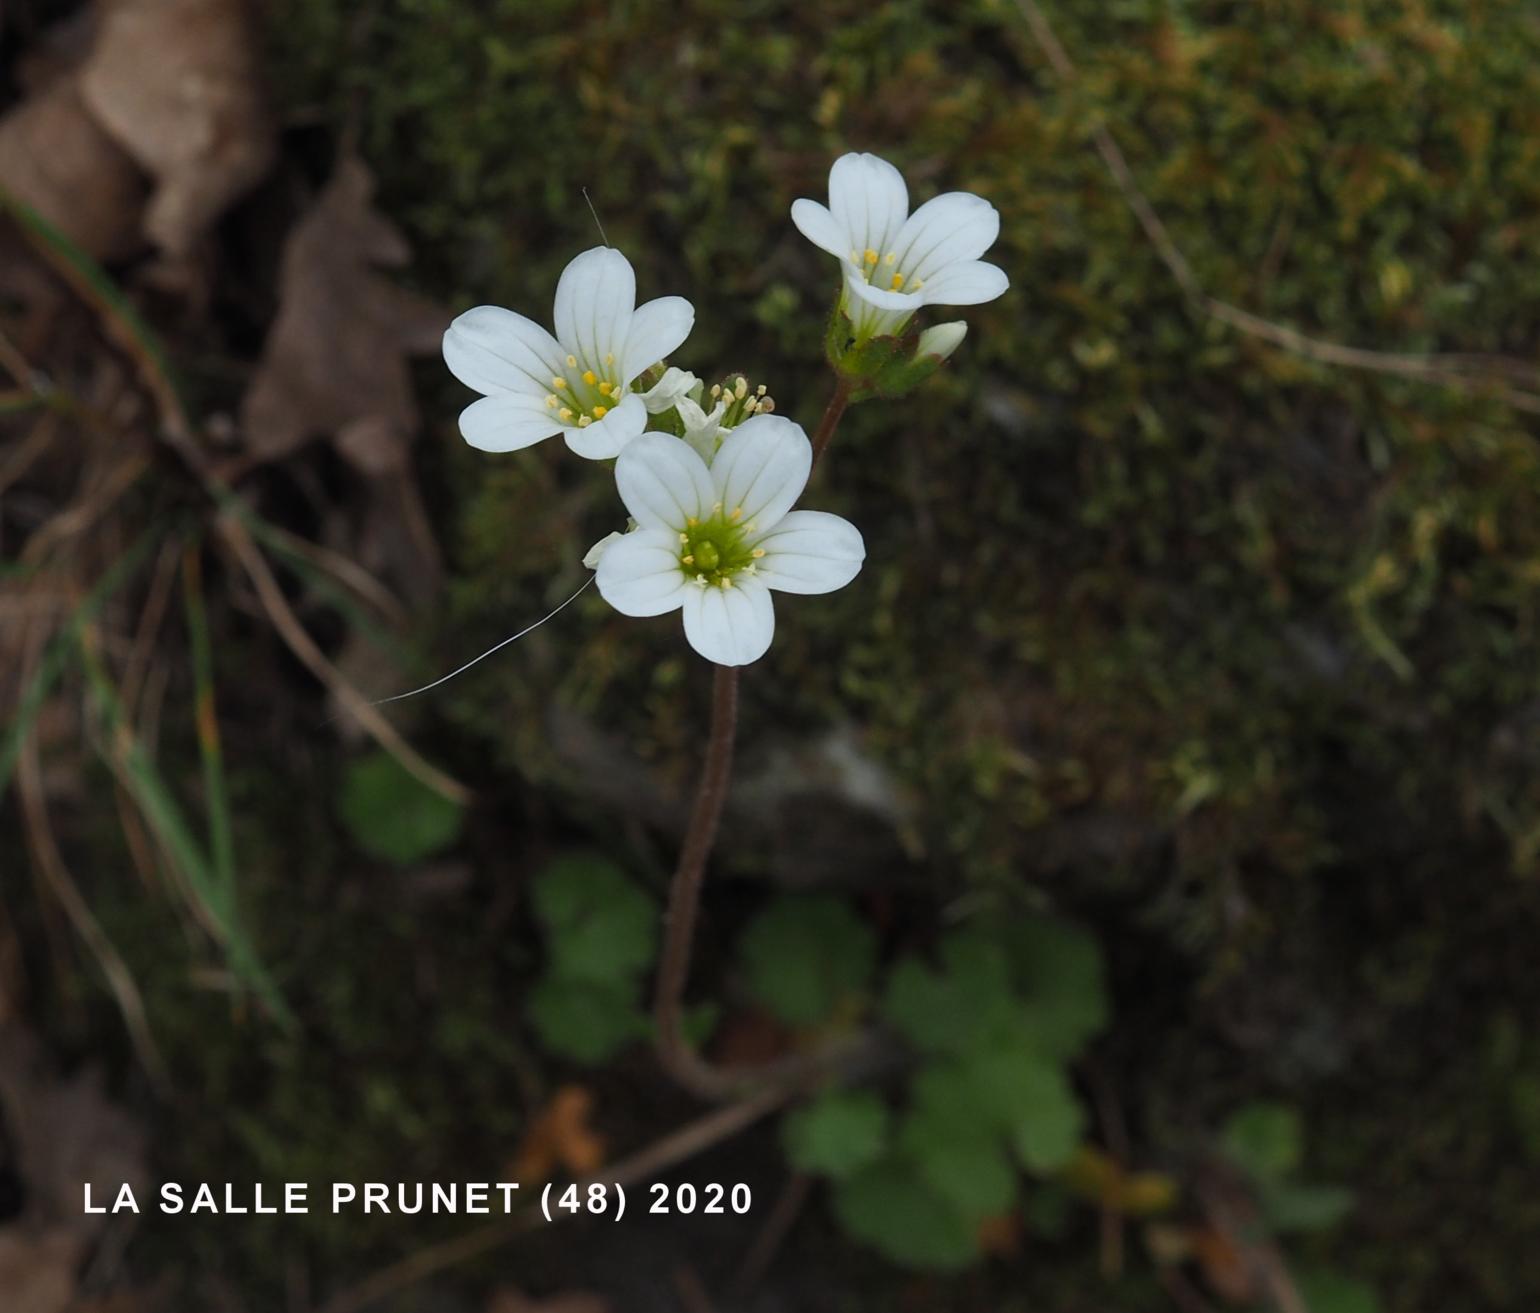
pixel 871 256
pixel 757 553
pixel 550 401
pixel 890 259
pixel 716 391
pixel 737 512
pixel 760 390
pixel 565 412
pixel 606 387
pixel 688 560
pixel 898 281
pixel 726 582
pixel 684 537
pixel 558 383
pixel 609 357
pixel 692 521
pixel 601 411
pixel 584 421
pixel 571 362
pixel 590 377
pixel 916 285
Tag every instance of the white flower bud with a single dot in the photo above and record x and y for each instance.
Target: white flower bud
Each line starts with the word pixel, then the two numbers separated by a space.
pixel 940 340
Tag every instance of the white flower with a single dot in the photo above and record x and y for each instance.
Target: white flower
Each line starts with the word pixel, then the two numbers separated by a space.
pixel 703 430
pixel 714 540
pixel 665 393
pixel 895 262
pixel 940 340
pixel 576 383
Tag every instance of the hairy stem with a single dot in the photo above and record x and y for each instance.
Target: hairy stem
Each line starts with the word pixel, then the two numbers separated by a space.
pixel 678 1058
pixel 831 416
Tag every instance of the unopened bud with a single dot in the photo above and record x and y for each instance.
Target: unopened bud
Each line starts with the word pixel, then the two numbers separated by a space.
pixel 940 340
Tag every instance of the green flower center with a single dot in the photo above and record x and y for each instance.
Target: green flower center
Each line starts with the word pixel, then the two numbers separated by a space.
pixel 714 550
pixel 582 395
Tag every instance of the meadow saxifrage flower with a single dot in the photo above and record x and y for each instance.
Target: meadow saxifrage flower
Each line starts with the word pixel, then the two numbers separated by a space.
pixel 576 383
pixel 714 540
pixel 895 262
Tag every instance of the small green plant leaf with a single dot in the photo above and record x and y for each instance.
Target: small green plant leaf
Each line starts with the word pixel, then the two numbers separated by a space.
pixel 601 926
pixel 957 1152
pixel 1291 1207
pixel 1059 972
pixel 837 1134
pixel 964 1005
pixel 891 1208
pixel 1049 1120
pixel 1264 1140
pixel 392 815
pixel 803 954
pixel 587 1021
pixel 1324 1291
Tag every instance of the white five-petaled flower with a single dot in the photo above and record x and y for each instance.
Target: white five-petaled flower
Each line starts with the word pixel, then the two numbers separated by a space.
pixel 895 262
pixel 576 383
pixel 714 540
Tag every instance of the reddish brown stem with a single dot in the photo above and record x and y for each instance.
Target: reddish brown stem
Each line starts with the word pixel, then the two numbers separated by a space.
pixel 831 416
pixel 679 1059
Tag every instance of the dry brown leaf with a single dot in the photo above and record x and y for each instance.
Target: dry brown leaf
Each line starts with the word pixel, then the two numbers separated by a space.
pixel 178 84
pixel 37 1269
pixel 67 1134
pixel 560 1136
pixel 55 158
pixel 335 362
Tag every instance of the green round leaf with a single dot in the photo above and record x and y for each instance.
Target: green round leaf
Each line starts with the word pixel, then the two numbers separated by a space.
pixel 957 1152
pixel 1049 1121
pixel 600 925
pixel 803 954
pixel 1264 1140
pixel 964 1005
pixel 392 815
pixel 890 1207
pixel 586 1021
pixel 836 1134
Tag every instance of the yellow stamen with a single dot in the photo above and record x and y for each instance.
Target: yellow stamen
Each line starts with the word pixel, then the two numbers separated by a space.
pixel 559 383
pixel 890 258
pixel 571 362
pixel 684 537
pixel 898 281
pixel 601 411
pixel 741 387
pixel 757 553
pixel 871 256
pixel 550 401
pixel 737 512
pixel 609 357
pixel 760 390
pixel 692 521
pixel 590 377
pixel 726 582
pixel 565 412
pixel 606 387
pixel 688 560
pixel 584 421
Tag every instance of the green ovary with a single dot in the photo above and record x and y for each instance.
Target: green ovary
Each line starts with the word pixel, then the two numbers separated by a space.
pixel 713 551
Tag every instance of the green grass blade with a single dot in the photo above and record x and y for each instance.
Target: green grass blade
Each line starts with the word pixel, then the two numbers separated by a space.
pixel 216 795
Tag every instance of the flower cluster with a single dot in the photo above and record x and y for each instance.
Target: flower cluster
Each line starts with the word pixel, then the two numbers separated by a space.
pixel 709 478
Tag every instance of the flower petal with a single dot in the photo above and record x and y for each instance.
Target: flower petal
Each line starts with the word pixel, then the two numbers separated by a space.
pixel 639 573
pixel 494 350
pixel 667 392
pixel 663 482
pixel 507 422
pixel 607 438
pixel 594 300
pixel 947 229
pixel 869 201
pixel 657 329
pixel 811 552
pixel 762 467
pixel 821 228
pixel 885 298
pixel 970 283
pixel 731 626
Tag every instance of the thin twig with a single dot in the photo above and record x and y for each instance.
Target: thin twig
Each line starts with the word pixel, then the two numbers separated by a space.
pixel 1465 370
pixel 304 647
pixel 674 1148
pixel 783 1214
